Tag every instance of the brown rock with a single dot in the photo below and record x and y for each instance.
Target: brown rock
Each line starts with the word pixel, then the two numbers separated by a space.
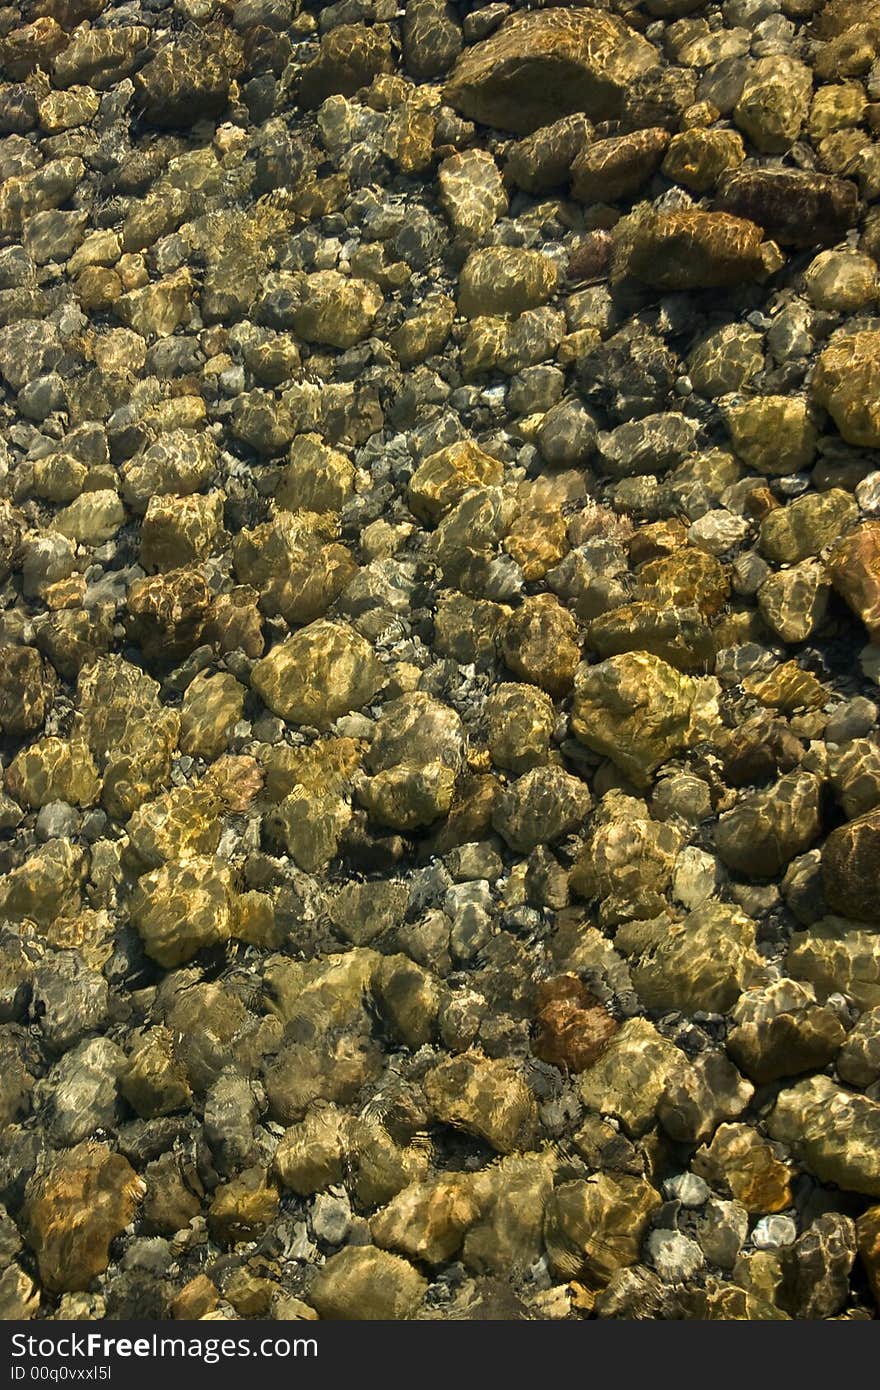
pixel 572 1028
pixel 749 1166
pixel 73 1212
pixel 167 614
pixel 688 250
pixel 794 207
pixel 851 868
pixel 540 644
pixel 242 1208
pixel 609 170
pixel 549 63
pixel 854 567
pixel 868 1237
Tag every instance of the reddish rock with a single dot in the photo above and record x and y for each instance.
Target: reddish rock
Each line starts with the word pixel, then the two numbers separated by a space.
pixel 854 567
pixel 572 1027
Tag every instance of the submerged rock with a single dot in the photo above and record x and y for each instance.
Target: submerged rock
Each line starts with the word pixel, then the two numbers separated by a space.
pixel 85 1199
pixel 545 64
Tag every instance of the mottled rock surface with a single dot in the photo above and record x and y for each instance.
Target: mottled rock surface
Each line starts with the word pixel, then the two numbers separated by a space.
pixel 439 660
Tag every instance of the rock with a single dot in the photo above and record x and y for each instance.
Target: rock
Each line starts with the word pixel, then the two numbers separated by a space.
pixel 780 1030
pixel 724 360
pixel 424 331
pixel 181 908
pixel 616 168
pixel 93 517
pixel 698 158
pixel 60 111
pixel 739 1160
pixel 868 1236
pixel 176 531
pixel 842 281
pixel 793 602
pixel 816 1268
pixel 310 1155
pixel 295 564
pixel 427 1221
pixel 471 193
pixel 45 886
pixel 316 479
pixel 406 789
pixel 242 1208
pixel 703 963
pixel 721 1230
pixel 484 1097
pixel 409 998
pixel 183 82
pixel 52 769
pixel 854 569
pixel 838 957
pixel 675 1257
pixel 804 527
pixel 687 250
pixel 361 911
pixel 698 1097
pixel 179 462
pixel 167 613
pixel 767 829
pixel 444 477
pixel 539 66
pixel 773 434
pixel 295 679
pixel 507 1235
pixel 337 310
pixel 633 1293
pixel 153 1080
pixel 774 102
pixel 834 1132
pixel 850 868
pixel 858 1061
pixel 638 710
pixel 80 1091
pixel 650 445
pixel 130 734
pixel 19 1296
pixel 540 807
pixel 594 1228
pixel 363 1283
pixel 505 280
pixel 631 1076
pixel 431 38
pixel 27 685
pixel 572 1029
pixel 795 207
pixel 86 1198
pixel 543 160
pixel 845 383
pixel 174 825
pixel 539 643
pixel 212 706
pixel 627 864
pixel 521 720
pixel 349 57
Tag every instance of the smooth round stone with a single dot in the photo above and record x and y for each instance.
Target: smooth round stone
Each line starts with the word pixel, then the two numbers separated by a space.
pixel 57 821
pixel 774 1232
pixel 687 1188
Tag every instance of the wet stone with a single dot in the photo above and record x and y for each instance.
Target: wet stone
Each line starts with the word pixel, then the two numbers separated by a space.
pixel 540 66
pixel 73 1212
